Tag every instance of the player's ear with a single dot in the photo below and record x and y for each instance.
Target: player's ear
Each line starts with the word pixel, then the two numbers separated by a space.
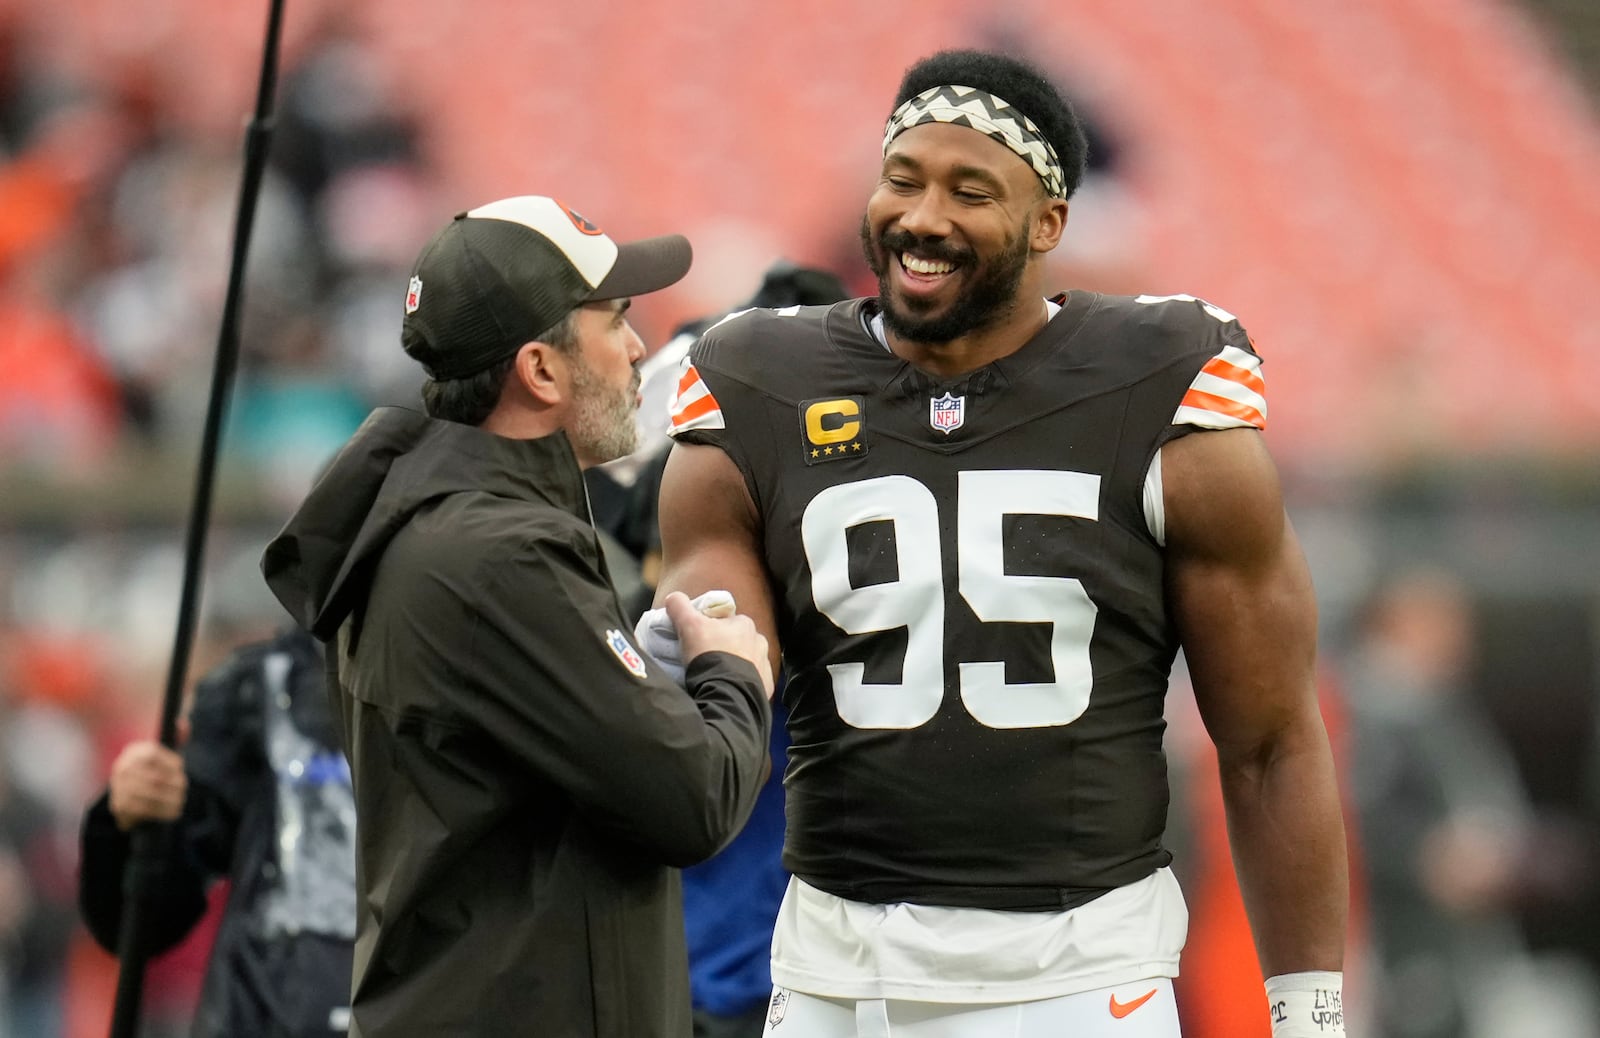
pixel 1049 224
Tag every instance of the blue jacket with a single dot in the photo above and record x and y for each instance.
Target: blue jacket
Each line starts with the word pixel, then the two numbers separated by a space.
pixel 731 901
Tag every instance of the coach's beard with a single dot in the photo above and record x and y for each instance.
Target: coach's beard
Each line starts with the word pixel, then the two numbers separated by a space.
pixel 603 427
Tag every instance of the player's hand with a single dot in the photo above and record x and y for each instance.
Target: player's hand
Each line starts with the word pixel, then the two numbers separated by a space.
pixel 147 784
pixel 703 632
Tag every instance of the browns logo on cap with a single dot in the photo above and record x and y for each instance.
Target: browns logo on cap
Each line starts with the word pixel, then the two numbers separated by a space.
pixel 579 221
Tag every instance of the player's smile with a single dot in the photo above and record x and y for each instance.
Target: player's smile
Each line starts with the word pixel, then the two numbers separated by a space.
pixel 921 270
pixel 920 297
pixel 920 280
pixel 922 276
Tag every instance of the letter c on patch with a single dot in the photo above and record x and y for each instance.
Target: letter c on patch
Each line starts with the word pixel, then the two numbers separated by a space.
pixel 848 429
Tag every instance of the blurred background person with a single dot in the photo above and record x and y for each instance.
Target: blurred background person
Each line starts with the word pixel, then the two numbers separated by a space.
pixel 1452 839
pixel 1219 991
pixel 33 931
pixel 46 684
pixel 260 798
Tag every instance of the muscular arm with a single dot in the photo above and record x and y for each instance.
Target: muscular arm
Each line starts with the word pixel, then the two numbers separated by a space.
pixel 1241 595
pixel 711 536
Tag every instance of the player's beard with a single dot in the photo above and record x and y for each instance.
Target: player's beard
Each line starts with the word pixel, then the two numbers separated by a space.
pixel 990 294
pixel 603 427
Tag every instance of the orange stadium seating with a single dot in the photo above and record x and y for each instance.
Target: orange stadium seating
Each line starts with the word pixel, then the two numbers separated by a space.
pixel 1396 198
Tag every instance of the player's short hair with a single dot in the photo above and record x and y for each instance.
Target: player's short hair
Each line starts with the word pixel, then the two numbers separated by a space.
pixel 1019 84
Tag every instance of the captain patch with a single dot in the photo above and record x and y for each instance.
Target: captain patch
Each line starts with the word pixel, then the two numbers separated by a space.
pixel 832 429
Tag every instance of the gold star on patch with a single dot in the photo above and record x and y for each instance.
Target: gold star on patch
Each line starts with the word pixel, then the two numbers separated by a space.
pixel 827 450
pixel 816 454
pixel 855 446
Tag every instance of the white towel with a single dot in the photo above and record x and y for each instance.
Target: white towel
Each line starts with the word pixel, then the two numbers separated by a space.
pixel 658 637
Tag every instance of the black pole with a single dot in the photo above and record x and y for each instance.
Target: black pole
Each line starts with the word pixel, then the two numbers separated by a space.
pixel 151 841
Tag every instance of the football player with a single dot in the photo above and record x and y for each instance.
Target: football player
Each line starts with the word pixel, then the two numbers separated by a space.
pixel 980 524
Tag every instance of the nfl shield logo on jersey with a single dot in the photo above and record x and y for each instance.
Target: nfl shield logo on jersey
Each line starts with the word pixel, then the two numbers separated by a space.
pixel 414 295
pixel 946 413
pixel 626 653
pixel 777 1007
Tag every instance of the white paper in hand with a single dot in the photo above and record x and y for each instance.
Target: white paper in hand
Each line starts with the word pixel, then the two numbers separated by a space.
pixel 658 637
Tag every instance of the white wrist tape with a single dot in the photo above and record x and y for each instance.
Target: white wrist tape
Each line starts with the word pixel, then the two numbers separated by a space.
pixel 1306 1005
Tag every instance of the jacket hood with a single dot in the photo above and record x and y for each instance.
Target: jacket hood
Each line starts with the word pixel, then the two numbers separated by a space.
pixel 319 565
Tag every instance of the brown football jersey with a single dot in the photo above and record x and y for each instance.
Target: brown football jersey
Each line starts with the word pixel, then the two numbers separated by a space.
pixel 969 592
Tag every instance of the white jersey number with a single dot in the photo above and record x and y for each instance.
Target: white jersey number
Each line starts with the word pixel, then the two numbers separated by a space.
pixel 915 600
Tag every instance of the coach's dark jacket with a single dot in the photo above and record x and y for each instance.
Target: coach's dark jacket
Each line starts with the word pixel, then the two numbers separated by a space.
pixel 524 779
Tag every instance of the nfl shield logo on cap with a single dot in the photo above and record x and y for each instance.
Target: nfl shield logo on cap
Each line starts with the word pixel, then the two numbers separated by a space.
pixel 414 295
pixel 946 413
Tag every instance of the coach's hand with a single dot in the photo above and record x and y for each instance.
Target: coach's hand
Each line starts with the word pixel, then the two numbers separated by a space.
pixel 735 634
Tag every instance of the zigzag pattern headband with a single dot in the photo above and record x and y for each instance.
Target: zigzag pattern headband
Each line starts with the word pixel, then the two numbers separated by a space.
pixel 989 115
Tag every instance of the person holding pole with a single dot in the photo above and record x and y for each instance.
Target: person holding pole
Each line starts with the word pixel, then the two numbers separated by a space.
pixel 260 797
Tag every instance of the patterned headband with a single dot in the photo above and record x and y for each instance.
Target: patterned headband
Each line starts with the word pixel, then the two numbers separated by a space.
pixel 989 115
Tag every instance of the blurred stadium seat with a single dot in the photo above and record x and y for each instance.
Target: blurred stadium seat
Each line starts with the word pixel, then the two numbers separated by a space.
pixel 1368 184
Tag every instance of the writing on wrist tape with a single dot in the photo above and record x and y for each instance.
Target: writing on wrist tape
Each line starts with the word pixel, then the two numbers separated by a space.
pixel 1306 1005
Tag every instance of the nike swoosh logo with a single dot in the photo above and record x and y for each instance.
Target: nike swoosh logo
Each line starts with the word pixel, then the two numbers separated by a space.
pixel 1122 1009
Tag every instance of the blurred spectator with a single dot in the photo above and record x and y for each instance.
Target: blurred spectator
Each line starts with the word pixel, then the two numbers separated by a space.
pixel 339 112
pixel 43 754
pixel 261 798
pixel 135 213
pixel 1447 825
pixel 60 404
pixel 33 928
pixel 1219 990
pixel 350 149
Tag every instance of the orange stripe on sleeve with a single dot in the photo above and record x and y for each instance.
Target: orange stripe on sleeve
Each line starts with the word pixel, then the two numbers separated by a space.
pixel 1219 368
pixel 1202 401
pixel 696 409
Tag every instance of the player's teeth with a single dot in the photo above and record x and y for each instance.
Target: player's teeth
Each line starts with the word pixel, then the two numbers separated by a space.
pixel 922 266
